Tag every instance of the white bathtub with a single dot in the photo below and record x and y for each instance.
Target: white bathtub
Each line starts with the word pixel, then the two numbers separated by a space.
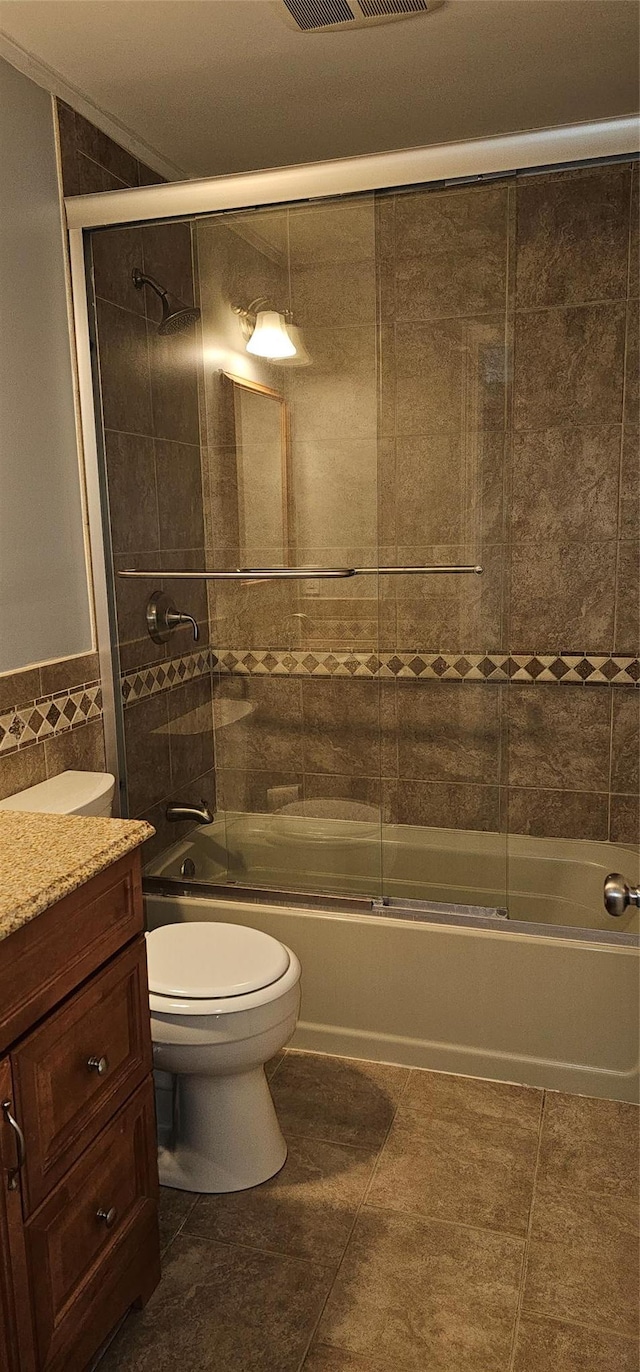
pixel 551 1003
pixel 513 1006
pixel 542 881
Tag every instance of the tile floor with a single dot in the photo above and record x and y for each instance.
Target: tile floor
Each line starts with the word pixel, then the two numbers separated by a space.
pixel 422 1223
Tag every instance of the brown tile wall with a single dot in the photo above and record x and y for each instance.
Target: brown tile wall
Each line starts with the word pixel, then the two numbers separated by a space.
pixel 508 326
pixel 554 761
pixel 575 317
pixel 92 162
pixel 507 321
pixel 334 426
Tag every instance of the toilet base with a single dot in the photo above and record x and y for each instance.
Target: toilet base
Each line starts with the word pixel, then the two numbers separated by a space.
pixel 227 1136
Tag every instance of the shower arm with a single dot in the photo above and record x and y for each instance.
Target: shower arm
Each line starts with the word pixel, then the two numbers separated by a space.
pixel 293 573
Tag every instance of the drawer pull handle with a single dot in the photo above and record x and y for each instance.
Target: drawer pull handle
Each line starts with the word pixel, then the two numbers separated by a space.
pixel 99 1065
pixel 13 1175
pixel 108 1217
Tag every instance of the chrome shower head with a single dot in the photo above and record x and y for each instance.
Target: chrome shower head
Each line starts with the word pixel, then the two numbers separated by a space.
pixel 176 316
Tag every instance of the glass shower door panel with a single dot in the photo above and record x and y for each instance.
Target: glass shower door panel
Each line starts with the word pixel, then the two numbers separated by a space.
pixel 150 440
pixel 443 258
pixel 292 483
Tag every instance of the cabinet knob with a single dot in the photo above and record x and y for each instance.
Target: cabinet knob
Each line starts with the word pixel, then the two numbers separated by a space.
pixel 99 1065
pixel 108 1217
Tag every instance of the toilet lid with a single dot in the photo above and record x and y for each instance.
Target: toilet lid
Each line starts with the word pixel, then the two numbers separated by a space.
pixel 202 961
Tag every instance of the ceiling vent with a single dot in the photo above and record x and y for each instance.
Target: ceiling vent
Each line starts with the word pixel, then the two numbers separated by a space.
pixel 316 16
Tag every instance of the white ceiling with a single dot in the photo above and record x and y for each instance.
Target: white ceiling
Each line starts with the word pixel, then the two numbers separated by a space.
pixel 217 86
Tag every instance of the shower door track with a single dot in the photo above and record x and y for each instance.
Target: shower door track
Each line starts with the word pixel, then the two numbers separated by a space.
pixel 386 907
pixel 564 145
pixel 412 911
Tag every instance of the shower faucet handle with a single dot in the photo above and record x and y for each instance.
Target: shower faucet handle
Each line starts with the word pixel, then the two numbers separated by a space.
pixel 163 618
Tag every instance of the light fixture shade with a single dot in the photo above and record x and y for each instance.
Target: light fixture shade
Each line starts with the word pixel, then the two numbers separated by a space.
pixel 270 337
pixel 301 358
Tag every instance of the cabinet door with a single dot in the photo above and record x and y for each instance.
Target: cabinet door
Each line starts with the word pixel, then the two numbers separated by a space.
pixel 74 938
pixel 93 1244
pixel 79 1066
pixel 16 1337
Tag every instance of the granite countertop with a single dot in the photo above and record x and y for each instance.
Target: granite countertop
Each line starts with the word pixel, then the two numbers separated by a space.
pixel 45 857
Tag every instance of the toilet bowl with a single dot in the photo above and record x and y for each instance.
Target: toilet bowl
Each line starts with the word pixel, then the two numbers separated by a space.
pixel 223 1000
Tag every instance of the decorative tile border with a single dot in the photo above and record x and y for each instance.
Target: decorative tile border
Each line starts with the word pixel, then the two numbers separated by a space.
pixel 616 671
pixel 49 716
pixel 164 676
pixel 57 713
pixel 577 668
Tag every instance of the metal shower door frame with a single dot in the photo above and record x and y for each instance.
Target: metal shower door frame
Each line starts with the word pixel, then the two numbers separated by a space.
pixel 472 161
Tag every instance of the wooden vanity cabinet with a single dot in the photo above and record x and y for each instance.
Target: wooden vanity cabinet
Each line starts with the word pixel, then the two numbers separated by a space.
pixel 78 1203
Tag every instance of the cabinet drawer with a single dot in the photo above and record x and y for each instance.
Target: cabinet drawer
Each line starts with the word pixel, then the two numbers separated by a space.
pixel 77 1256
pixel 78 1067
pixel 43 962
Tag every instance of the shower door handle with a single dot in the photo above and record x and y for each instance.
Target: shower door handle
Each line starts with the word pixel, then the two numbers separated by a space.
pixel 618 894
pixel 254 575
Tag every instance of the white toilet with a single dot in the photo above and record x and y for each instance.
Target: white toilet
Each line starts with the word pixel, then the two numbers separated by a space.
pixel 223 1000
pixel 70 793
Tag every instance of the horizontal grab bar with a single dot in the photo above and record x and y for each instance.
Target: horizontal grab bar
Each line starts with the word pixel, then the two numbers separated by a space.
pixel 289 573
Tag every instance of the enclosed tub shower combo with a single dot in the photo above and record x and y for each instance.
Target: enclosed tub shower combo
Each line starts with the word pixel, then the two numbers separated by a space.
pixel 361 445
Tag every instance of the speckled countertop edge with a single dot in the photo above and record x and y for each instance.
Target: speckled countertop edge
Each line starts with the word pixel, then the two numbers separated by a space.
pixel 45 857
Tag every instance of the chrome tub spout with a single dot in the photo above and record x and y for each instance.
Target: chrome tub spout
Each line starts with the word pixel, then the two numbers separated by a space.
pixel 198 814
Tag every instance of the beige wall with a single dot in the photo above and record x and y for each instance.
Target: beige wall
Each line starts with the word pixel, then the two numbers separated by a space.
pixel 51 716
pixel 44 591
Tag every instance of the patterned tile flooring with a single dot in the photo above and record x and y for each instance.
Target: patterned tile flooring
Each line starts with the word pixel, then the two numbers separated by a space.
pixel 421 1223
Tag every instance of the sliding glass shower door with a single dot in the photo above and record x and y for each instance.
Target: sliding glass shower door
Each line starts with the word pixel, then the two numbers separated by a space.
pixel 325 437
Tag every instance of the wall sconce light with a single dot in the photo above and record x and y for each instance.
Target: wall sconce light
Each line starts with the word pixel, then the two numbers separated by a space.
pixel 301 358
pixel 270 337
pixel 266 331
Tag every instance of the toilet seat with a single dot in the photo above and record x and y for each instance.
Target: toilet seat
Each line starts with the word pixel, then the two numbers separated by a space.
pixel 201 968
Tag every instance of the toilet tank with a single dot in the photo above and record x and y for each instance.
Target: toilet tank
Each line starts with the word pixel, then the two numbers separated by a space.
pixel 70 793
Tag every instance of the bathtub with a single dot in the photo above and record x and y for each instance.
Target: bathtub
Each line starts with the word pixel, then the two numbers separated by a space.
pixel 556 882
pixel 548 996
